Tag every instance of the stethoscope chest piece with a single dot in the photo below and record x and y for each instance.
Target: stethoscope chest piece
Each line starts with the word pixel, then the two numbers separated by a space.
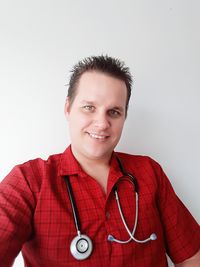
pixel 81 247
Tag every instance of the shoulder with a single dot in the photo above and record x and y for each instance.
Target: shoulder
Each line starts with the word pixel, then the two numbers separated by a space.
pixel 33 172
pixel 38 166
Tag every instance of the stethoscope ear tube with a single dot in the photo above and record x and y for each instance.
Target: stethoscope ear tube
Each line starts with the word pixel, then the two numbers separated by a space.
pixel 131 234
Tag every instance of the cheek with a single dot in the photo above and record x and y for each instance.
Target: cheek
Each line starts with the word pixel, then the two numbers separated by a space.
pixel 78 122
pixel 119 126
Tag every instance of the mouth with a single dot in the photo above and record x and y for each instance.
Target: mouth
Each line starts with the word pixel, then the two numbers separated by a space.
pixel 98 136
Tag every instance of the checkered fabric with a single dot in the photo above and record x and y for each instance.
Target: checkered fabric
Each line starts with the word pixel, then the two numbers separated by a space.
pixel 36 216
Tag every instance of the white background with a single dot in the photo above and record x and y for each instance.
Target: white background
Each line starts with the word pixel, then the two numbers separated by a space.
pixel 159 40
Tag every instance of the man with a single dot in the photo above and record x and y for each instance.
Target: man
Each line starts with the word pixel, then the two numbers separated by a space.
pixel 79 208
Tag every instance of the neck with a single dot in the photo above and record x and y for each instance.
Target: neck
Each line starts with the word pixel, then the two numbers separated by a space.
pixel 91 161
pixel 96 168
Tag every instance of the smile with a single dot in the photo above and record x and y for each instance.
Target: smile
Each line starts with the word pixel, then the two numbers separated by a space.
pixel 98 136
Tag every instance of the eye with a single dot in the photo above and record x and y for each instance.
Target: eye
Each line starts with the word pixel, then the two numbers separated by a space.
pixel 88 108
pixel 114 113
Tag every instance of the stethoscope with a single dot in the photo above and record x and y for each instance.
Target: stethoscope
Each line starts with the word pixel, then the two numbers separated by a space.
pixel 81 246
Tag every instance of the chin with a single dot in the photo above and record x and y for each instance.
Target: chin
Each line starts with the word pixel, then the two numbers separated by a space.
pixel 98 154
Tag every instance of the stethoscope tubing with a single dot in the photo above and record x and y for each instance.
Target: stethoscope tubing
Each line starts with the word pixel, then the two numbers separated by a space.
pixel 73 205
pixel 83 238
pixel 110 237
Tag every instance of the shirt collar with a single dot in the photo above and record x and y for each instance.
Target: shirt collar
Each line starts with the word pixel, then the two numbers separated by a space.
pixel 70 166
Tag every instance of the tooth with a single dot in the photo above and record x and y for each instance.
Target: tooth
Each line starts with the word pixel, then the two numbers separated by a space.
pixel 97 136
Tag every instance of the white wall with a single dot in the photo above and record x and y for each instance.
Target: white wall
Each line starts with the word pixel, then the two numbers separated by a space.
pixel 159 40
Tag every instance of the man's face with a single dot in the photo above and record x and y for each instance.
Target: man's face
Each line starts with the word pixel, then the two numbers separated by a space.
pixel 96 116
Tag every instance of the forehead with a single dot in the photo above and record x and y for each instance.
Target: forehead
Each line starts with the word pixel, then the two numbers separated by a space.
pixel 98 85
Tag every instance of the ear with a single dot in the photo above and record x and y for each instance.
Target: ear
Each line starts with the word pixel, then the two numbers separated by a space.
pixel 67 107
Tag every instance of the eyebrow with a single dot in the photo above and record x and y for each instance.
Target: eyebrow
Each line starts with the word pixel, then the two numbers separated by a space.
pixel 119 108
pixel 87 102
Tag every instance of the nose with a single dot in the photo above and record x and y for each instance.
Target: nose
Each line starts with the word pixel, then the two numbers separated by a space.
pixel 101 121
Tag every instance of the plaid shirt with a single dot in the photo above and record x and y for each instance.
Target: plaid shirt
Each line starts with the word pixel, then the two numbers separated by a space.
pixel 36 215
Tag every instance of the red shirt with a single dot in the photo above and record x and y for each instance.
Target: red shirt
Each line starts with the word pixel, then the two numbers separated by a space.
pixel 36 215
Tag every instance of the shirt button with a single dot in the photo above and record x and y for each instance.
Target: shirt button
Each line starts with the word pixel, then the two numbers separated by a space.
pixel 107 215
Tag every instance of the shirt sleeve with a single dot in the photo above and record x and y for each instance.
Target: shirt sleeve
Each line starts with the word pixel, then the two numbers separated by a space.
pixel 16 211
pixel 181 231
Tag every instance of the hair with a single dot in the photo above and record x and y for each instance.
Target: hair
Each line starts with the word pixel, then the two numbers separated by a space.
pixel 104 64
